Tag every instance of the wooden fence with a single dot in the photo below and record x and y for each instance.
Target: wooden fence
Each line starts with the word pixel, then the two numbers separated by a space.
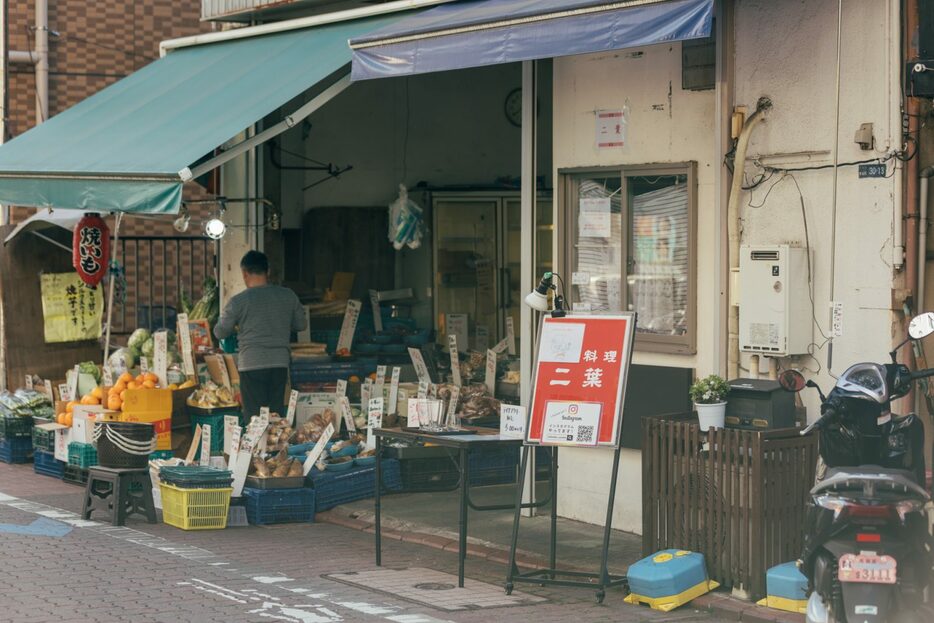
pixel 736 496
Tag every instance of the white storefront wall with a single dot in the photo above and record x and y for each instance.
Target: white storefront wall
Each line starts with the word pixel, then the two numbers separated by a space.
pixel 785 50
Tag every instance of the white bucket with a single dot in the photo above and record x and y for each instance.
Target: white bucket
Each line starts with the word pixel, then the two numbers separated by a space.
pixel 711 415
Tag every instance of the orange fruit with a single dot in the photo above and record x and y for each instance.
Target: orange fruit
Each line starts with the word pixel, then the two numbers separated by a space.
pixel 114 403
pixel 69 419
pixel 60 419
pixel 139 379
pixel 125 378
pixel 123 395
pixel 70 406
pixel 133 385
pixel 149 384
pixel 90 400
pixel 98 392
pixel 151 376
pixel 120 386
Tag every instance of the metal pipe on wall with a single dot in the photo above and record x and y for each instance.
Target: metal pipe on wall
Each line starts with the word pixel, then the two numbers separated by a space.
pixel 925 176
pixel 736 190
pixel 42 60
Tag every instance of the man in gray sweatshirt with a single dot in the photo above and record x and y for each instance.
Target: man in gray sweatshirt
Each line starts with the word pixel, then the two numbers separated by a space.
pixel 264 316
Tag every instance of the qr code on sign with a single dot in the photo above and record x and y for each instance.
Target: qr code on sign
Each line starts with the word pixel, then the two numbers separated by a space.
pixel 585 434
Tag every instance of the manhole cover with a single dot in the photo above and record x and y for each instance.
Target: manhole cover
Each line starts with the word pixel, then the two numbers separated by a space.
pixel 434 586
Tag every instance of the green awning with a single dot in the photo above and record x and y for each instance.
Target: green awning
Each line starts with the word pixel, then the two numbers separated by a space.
pixel 128 147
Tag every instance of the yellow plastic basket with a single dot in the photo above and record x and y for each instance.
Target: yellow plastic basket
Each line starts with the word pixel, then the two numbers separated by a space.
pixel 195 509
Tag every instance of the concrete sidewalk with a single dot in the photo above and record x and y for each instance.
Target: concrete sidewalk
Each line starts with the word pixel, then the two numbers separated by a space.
pixel 431 519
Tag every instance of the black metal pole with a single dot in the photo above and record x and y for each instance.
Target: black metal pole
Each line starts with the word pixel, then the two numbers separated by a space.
pixel 462 524
pixel 511 569
pixel 377 496
pixel 553 557
pixel 607 528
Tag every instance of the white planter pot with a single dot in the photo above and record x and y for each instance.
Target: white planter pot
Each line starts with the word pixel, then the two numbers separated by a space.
pixel 711 415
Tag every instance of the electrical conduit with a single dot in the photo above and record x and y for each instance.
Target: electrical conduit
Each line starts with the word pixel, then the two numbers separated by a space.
pixel 736 189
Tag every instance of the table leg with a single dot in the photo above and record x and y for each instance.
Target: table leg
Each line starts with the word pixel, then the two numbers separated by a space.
pixel 462 524
pixel 377 496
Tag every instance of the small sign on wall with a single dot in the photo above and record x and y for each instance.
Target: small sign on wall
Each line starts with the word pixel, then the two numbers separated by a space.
pixel 611 128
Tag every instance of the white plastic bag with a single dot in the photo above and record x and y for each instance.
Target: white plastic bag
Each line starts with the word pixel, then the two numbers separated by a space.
pixel 405 222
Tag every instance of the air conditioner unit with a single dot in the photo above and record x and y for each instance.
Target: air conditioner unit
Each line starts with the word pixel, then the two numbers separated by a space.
pixel 775 314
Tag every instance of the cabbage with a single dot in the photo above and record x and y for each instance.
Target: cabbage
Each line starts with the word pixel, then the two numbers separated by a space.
pixel 148 347
pixel 122 360
pixel 89 367
pixel 137 338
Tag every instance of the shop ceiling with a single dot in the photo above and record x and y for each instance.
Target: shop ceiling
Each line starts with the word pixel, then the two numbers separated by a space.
pixel 131 146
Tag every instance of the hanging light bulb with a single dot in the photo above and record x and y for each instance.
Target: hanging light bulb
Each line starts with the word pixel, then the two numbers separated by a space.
pixel 183 221
pixel 215 228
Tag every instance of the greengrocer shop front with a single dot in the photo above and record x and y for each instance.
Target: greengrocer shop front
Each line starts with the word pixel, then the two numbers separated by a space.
pixel 401 168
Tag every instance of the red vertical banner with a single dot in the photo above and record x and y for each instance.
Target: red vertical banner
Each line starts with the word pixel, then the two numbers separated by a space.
pixel 91 248
pixel 579 382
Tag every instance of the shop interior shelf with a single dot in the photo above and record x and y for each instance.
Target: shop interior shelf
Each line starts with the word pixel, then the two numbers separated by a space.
pixel 273 506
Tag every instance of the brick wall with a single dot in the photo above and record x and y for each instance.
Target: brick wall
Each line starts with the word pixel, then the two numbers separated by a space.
pixel 98 43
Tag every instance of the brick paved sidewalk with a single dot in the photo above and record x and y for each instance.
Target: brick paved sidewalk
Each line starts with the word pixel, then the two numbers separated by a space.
pixel 155 573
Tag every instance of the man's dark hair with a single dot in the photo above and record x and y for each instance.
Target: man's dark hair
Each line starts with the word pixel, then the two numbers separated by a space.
pixel 255 263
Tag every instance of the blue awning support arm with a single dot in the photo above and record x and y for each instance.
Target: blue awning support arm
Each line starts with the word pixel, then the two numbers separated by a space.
pixel 290 121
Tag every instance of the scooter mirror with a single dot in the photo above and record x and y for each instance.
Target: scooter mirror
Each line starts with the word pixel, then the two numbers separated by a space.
pixel 921 326
pixel 792 381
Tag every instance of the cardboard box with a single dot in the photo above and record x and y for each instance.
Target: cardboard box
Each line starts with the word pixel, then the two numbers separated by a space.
pixel 151 406
pixel 62 439
pixel 148 400
pixel 84 418
pixel 161 423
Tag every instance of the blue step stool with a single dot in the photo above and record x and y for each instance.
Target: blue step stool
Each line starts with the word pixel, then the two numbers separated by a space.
pixel 786 589
pixel 668 579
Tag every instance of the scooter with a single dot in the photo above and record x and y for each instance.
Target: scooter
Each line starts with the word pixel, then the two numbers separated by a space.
pixel 868 553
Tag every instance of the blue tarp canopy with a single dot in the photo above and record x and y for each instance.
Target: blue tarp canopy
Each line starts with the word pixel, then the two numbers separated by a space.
pixel 489 32
pixel 128 147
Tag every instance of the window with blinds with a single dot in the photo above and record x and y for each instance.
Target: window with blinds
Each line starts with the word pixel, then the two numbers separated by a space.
pixel 629 245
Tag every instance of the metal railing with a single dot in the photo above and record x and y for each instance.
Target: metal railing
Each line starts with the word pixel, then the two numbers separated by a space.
pixel 158 269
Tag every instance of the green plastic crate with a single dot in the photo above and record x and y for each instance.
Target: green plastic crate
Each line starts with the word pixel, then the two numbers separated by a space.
pixel 15 426
pixel 43 439
pixel 82 454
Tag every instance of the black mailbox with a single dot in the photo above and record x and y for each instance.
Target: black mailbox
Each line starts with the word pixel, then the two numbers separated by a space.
pixel 759 404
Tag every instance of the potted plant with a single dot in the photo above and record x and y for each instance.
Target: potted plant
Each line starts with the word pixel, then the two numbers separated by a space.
pixel 709 396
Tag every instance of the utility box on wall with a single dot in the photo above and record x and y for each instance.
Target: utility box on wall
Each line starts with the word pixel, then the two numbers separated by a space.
pixel 775 316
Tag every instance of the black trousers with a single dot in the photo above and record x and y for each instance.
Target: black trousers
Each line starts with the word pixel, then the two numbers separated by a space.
pixel 263 388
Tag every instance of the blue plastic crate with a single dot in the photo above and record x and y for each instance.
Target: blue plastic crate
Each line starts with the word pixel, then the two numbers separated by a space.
pixel 336 488
pixel 272 506
pixel 46 464
pixel 16 450
pixel 494 466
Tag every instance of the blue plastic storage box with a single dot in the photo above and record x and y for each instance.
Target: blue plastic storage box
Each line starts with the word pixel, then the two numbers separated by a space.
pixel 668 579
pixel 16 450
pixel 786 589
pixel 46 464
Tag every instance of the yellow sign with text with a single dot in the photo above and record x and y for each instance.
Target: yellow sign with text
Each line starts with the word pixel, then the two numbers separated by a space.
pixel 72 310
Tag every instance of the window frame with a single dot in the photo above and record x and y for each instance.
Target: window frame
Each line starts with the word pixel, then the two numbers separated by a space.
pixel 566 215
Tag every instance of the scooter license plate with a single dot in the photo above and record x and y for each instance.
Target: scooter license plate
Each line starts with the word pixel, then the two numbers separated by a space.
pixel 867 568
